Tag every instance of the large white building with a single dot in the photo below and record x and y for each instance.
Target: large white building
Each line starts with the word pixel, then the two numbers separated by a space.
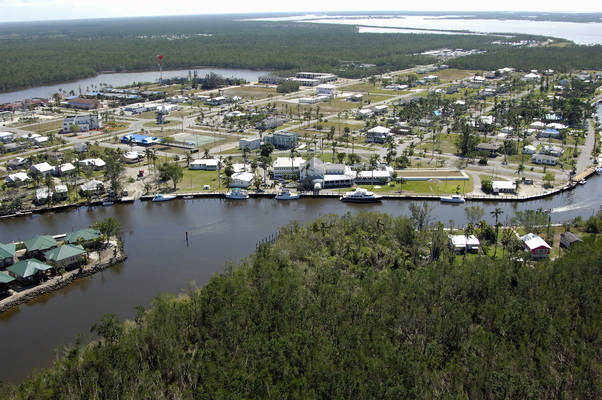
pixel 282 140
pixel 242 180
pixel 327 174
pixel 206 164
pixel 378 134
pixel 85 122
pixel 287 167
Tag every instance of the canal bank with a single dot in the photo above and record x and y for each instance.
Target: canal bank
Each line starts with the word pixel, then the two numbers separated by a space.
pixel 161 261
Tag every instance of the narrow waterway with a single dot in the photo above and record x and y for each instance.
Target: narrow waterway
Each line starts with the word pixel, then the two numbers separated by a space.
pixel 161 262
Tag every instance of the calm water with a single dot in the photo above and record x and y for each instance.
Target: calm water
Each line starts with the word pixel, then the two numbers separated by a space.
pixel 159 260
pixel 580 33
pixel 122 79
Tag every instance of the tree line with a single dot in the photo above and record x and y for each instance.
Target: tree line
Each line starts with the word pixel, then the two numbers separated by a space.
pixel 353 306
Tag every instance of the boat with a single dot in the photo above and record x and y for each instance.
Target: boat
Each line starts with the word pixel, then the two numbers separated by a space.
pixel 164 197
pixel 107 203
pixel 454 198
pixel 360 195
pixel 286 194
pixel 237 194
pixel 188 197
pixel 582 182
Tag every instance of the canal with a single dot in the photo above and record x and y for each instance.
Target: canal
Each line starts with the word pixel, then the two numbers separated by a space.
pixel 160 261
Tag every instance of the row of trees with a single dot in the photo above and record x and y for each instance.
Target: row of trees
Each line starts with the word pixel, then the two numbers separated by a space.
pixel 376 309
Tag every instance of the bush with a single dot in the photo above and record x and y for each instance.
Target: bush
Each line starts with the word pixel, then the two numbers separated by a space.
pixel 487 185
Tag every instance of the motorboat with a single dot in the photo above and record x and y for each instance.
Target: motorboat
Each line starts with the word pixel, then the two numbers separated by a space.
pixel 360 195
pixel 164 197
pixel 582 182
pixel 237 194
pixel 286 194
pixel 107 203
pixel 454 198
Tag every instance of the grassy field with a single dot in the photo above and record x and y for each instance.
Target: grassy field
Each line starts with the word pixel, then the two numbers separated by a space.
pixel 422 187
pixel 453 74
pixel 251 92
pixel 43 127
pixel 194 180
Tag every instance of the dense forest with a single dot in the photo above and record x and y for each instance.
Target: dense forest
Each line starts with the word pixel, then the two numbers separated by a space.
pixel 562 59
pixel 354 306
pixel 49 52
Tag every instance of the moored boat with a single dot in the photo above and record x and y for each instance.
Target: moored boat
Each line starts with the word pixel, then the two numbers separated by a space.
pixel 360 195
pixel 164 197
pixel 286 194
pixel 237 194
pixel 582 182
pixel 454 198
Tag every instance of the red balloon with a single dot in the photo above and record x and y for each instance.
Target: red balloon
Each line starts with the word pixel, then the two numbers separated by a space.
pixel 160 58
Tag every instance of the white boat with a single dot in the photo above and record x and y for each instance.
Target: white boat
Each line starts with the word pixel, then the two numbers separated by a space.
pixel 582 182
pixel 454 198
pixel 360 195
pixel 107 203
pixel 164 197
pixel 286 194
pixel 237 194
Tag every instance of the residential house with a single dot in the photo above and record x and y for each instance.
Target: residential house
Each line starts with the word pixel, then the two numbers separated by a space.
pixel 66 256
pixel 355 97
pixel 26 271
pixel 567 239
pixel 503 187
pixel 529 149
pixel 140 140
pixel 242 180
pixel 7 254
pixel 41 169
pixel 364 113
pixel 205 164
pixel 92 187
pixel 64 169
pixel 462 243
pixel 326 89
pixel 544 159
pixel 380 109
pixel 535 245
pixel 17 179
pixel 378 134
pixel 5 280
pixel 60 193
pixel 88 237
pixel 17 163
pixel 374 177
pixel 132 157
pixel 6 137
pixel 35 247
pixel 491 148
pixel 552 150
pixel 42 195
pixel 96 163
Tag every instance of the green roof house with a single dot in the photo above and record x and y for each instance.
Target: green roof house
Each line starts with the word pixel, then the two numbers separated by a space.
pixel 7 254
pixel 66 255
pixel 5 278
pixel 86 235
pixel 39 244
pixel 26 270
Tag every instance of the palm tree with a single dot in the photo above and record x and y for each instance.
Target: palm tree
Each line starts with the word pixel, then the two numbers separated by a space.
pixel 219 168
pixel 293 153
pixel 497 212
pixel 334 147
pixel 373 163
pixel 469 230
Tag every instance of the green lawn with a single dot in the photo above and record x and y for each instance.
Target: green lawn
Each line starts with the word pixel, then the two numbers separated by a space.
pixel 426 187
pixel 194 180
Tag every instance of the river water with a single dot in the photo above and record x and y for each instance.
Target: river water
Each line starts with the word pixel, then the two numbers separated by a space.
pixel 161 262
pixel 123 79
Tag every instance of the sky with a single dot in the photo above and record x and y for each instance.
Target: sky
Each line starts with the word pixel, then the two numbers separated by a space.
pixel 36 10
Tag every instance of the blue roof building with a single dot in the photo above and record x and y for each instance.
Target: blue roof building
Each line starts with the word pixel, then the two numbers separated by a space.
pixel 141 140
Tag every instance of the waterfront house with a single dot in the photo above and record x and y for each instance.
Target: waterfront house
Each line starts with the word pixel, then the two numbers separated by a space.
pixel 87 237
pixel 92 187
pixel 287 167
pixel 7 254
pixel 544 159
pixel 567 239
pixel 67 256
pixel 462 243
pixel 375 177
pixel 242 180
pixel 61 192
pixel 36 246
pixel 327 174
pixel 503 187
pixel 26 271
pixel 535 245
pixel 5 280
pixel 42 195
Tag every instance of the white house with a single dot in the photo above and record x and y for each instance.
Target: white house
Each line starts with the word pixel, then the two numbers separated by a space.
pixel 544 159
pixel 85 122
pixel 132 157
pixel 64 169
pixel 60 192
pixel 461 243
pixel 6 137
pixel 41 140
pixel 242 180
pixel 92 187
pixel 364 113
pixel 375 177
pixel 378 134
pixel 531 77
pixel 209 164
pixel 503 187
pixel 96 163
pixel 380 109
pixel 285 166
pixel 17 178
pixel 529 149
pixel 41 168
pixel 538 125
pixel 552 150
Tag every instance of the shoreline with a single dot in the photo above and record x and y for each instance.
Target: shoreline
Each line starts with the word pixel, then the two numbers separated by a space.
pixel 390 196
pixel 60 281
